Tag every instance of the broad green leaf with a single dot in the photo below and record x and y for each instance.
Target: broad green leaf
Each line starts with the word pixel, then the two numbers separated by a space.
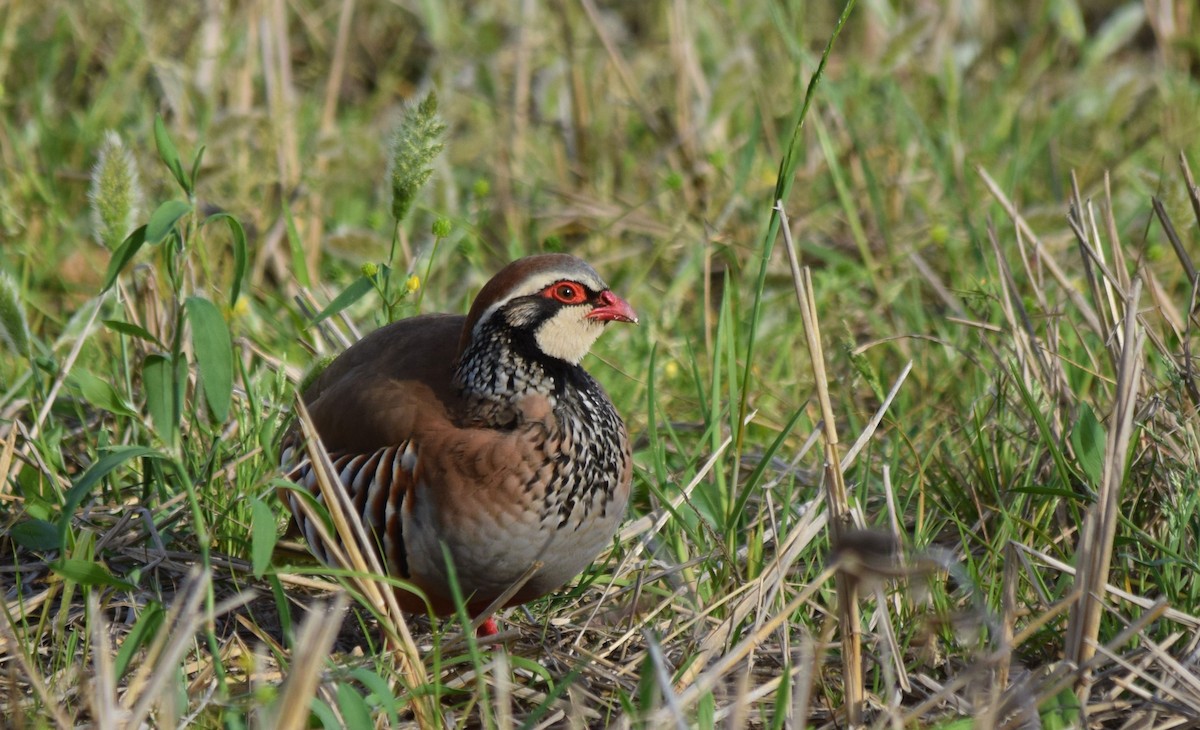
pixel 99 392
pixel 351 294
pixel 325 714
pixel 163 220
pixel 1061 712
pixel 240 257
pixel 37 506
pixel 88 573
pixel 104 465
pixel 124 253
pixel 144 630
pixel 1087 439
pixel 130 329
pixel 355 712
pixel 36 535
pixel 162 393
pixel 262 536
pixel 169 155
pixel 214 354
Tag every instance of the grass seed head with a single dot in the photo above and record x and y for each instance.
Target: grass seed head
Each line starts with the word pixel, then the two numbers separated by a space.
pixel 115 193
pixel 415 144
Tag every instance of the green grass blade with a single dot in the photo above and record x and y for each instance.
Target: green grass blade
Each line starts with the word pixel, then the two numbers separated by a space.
pixel 88 573
pixel 299 260
pixel 196 167
pixel 103 467
pixel 130 329
pixel 783 187
pixel 351 294
pixel 169 155
pixel 140 635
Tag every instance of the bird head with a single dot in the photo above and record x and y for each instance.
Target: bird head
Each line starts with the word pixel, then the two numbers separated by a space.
pixel 555 299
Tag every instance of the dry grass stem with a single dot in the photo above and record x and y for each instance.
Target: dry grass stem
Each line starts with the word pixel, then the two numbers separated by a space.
pixel 361 559
pixel 837 501
pixel 1084 309
pixel 313 641
pixel 1099 528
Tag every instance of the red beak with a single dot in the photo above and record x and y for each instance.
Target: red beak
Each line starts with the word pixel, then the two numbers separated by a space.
pixel 613 308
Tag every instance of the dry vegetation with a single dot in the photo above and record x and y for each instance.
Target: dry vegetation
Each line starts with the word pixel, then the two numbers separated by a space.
pixel 914 396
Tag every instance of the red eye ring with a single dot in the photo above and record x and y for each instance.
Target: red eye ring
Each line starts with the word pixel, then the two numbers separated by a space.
pixel 567 292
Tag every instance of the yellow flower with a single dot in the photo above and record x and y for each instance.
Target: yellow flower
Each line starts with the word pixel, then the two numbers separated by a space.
pixel 413 283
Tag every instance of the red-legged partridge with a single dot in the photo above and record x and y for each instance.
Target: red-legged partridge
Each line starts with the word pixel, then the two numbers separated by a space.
pixel 480 433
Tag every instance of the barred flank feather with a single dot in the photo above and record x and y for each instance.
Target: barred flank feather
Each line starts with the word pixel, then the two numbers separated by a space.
pixel 372 481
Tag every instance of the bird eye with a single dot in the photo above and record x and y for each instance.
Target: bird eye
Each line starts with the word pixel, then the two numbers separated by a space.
pixel 566 292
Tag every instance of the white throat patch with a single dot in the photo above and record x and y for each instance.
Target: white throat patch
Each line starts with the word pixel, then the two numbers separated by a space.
pixel 569 334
